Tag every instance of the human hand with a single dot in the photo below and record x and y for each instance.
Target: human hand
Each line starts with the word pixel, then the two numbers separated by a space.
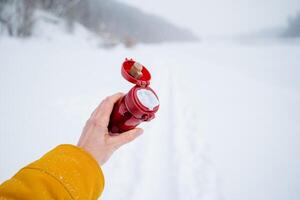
pixel 95 138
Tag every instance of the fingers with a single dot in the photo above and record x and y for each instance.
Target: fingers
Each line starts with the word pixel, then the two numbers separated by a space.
pixel 126 137
pixel 101 114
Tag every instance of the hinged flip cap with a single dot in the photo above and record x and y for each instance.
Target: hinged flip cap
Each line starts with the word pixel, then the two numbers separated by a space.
pixel 143 81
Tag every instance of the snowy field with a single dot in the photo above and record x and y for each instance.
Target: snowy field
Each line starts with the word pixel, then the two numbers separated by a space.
pixel 227 128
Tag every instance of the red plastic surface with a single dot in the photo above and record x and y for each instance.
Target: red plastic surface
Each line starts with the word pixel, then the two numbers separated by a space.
pixel 144 81
pixel 121 119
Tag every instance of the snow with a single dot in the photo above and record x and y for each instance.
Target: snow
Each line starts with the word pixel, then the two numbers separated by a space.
pixel 227 127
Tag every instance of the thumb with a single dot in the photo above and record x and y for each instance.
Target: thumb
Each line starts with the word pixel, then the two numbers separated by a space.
pixel 127 136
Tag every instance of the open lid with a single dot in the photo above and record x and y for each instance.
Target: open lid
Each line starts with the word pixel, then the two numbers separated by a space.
pixel 143 80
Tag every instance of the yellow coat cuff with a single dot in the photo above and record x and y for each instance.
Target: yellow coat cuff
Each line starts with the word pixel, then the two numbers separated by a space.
pixel 75 169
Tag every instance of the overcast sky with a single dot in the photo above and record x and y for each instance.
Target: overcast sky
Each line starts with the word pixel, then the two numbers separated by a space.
pixel 218 17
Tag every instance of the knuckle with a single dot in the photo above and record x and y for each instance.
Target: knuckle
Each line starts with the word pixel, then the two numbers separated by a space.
pixel 110 99
pixel 104 101
pixel 92 121
pixel 95 122
pixel 130 137
pixel 107 101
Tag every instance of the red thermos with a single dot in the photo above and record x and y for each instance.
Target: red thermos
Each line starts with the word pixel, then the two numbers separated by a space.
pixel 138 105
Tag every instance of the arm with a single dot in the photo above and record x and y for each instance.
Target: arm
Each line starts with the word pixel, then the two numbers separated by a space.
pixel 71 172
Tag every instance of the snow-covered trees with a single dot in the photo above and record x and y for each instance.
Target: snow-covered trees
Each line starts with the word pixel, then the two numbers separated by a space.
pixel 16 17
pixel 110 19
pixel 293 29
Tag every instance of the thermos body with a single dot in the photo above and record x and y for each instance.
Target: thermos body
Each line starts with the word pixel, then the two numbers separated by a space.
pixel 121 119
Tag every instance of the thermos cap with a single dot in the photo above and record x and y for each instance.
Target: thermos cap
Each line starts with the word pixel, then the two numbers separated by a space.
pixel 143 81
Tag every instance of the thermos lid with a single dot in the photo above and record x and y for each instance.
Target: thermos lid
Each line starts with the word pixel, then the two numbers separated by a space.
pixel 142 81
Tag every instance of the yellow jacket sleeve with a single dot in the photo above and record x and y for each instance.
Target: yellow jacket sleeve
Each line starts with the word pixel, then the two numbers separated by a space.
pixel 66 172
